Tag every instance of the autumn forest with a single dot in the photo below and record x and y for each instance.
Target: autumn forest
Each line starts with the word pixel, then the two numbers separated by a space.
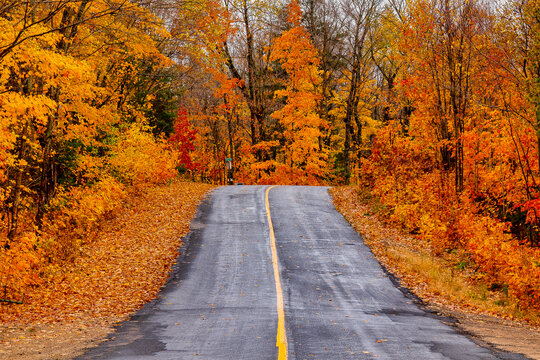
pixel 432 105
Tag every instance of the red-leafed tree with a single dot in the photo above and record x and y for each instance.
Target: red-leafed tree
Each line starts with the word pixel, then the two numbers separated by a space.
pixel 182 139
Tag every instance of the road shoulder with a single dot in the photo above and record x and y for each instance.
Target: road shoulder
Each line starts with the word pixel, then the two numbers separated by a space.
pixel 108 287
pixel 484 329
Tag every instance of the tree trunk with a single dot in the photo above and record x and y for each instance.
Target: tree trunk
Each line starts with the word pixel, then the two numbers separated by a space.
pixel 48 179
pixel 350 114
pixel 13 202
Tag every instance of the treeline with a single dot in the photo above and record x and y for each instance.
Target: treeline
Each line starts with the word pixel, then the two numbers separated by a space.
pixel 89 93
pixel 432 104
pixel 292 93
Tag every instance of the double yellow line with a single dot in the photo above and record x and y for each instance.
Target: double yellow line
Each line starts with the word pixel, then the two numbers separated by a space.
pixel 281 339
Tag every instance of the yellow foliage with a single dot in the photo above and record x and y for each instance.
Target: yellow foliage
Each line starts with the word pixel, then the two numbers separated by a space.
pixel 65 90
pixel 138 159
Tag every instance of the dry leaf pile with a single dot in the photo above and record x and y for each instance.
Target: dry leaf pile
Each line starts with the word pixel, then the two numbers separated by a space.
pixel 118 272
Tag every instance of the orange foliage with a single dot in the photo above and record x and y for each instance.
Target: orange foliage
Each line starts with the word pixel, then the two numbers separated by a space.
pixel 461 174
pixel 75 139
pixel 123 266
pixel 302 161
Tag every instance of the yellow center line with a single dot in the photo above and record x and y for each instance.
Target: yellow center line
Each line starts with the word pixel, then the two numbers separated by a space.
pixel 281 339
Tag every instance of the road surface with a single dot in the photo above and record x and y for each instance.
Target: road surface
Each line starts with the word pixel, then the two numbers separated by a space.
pixel 223 301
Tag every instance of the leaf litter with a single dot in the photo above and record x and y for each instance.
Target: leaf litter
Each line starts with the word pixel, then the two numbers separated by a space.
pixel 385 241
pixel 117 273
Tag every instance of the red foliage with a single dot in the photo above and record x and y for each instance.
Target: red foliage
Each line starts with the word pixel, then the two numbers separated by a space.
pixel 183 137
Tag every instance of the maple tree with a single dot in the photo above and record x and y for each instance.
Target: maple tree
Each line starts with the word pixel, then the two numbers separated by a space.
pixel 183 138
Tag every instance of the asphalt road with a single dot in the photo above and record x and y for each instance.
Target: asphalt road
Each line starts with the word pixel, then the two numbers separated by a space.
pixel 221 301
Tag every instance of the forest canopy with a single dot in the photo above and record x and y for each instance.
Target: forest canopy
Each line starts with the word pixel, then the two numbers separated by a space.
pixel 434 105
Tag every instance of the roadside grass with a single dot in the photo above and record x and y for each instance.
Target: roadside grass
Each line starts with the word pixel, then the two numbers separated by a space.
pixel 447 281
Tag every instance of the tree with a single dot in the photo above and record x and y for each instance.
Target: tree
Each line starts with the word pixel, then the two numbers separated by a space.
pixel 182 139
pixel 302 152
pixel 250 44
pixel 442 46
pixel 359 21
pixel 65 87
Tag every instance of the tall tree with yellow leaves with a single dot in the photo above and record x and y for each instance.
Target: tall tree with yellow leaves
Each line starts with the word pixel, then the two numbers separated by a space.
pixel 303 158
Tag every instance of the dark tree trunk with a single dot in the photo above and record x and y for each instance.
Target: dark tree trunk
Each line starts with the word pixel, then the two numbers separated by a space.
pixel 13 202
